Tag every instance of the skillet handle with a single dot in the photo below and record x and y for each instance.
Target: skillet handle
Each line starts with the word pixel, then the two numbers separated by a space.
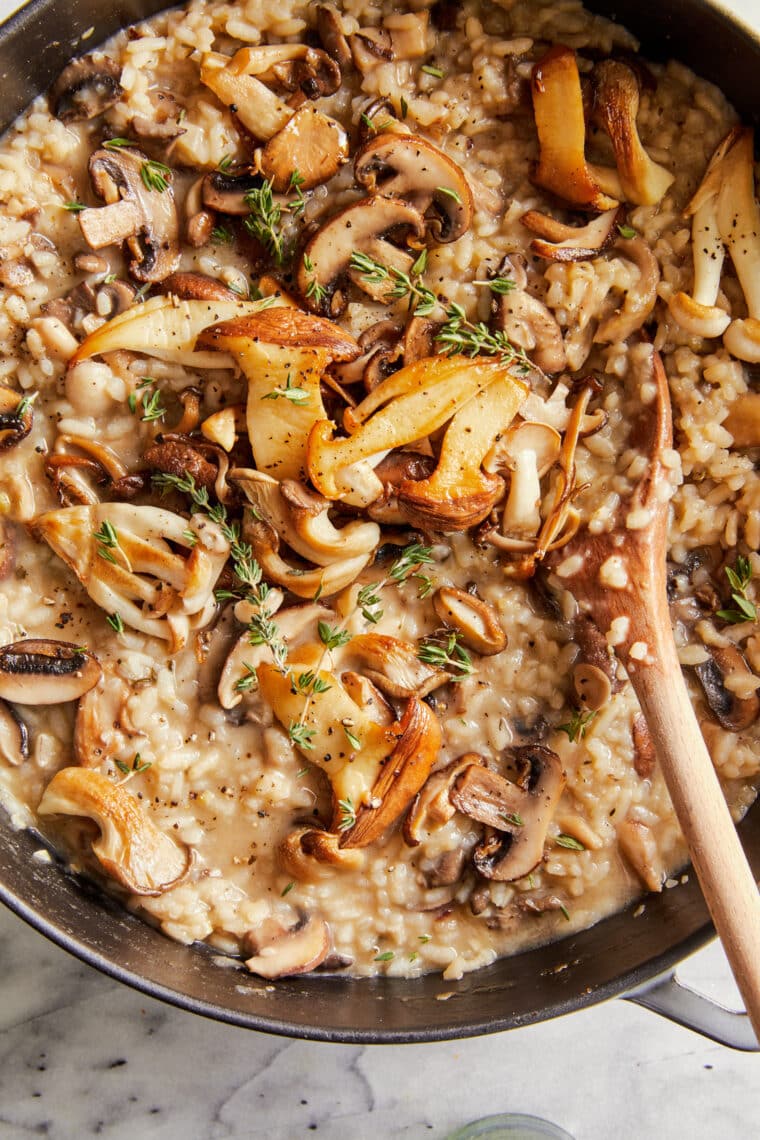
pixel 669 997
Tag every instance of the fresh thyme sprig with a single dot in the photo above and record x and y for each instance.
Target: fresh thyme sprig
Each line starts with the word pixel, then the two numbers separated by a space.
pixel 577 727
pixel 422 300
pixel 444 650
pixel 108 544
pixel 150 401
pixel 739 577
pixel 138 765
pixel 298 396
pixel 314 290
pixel 347 814
pixel 265 219
pixel 460 335
pixel 156 176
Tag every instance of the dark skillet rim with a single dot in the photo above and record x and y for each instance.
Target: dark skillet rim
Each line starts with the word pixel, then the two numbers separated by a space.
pixel 16 25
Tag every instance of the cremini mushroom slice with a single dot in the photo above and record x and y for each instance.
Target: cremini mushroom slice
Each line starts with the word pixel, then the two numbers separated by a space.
pixel 644 754
pixel 168 328
pixel 43 672
pixel 146 219
pixel 283 353
pixel 86 87
pixel 409 167
pixel 517 814
pixel 527 321
pixel 460 494
pixel 285 953
pixel 560 121
pixel 408 406
pixel 393 665
pixel 615 108
pixel 14 735
pixel 556 241
pixel 730 688
pixel 130 848
pixel 640 299
pixel 366 227
pixel 310 143
pixel 125 557
pixel 475 620
pixel 369 47
pixel 528 450
pixel 592 686
pixel 225 190
pixel 699 313
pixel 16 417
pixel 738 217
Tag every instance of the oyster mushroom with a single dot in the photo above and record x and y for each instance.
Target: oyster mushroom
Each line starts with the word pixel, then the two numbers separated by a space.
pixel 475 620
pixel 528 450
pixel 560 121
pixel 307 851
pixel 277 952
pixel 517 815
pixel 85 88
pixel 366 227
pixel 130 848
pixel 145 219
pixel 44 672
pixel 409 167
pixel 310 143
pixel 126 558
pixel 304 583
pixel 730 688
pixel 640 299
pixel 397 468
pixel 556 241
pixel 14 735
pixel 528 322
pixel 16 417
pixel 738 218
pixel 615 107
pixel 332 36
pixel 393 665
pixel 103 727
pixel 283 352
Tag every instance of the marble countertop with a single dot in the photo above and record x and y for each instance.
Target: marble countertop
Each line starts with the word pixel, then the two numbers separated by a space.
pixel 81 1056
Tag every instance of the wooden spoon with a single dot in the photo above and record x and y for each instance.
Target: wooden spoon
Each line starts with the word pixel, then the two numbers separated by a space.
pixel 620 576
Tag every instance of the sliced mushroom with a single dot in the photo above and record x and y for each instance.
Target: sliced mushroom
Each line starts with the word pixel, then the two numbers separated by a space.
pixel 102 725
pixel 370 46
pixel 307 851
pixel 367 227
pixel 181 459
pixel 281 953
pixel 528 450
pixel 432 807
pixel 528 322
pixel 615 108
pixel 165 120
pixel 197 287
pixel 14 735
pixel 397 468
pixel 639 845
pixel 409 167
pixel 304 583
pixel 517 814
pixel 393 665
pixel 561 126
pixel 310 143
pixel 226 191
pixel 130 848
pixel 44 672
pixel 85 88
pixel 592 686
pixel 284 353
pixel 640 300
pixel 16 417
pixel 559 242
pixel 476 621
pixel 332 36
pixel 738 218
pixel 730 688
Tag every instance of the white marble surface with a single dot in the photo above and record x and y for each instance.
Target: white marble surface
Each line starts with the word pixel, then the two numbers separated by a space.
pixel 83 1056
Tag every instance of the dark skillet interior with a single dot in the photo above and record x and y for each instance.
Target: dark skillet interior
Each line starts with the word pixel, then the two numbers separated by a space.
pixel 606 960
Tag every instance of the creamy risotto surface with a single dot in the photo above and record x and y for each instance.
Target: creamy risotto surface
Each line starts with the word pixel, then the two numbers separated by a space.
pixel 323 331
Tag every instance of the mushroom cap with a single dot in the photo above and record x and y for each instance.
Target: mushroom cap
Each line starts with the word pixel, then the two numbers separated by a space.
pixel 43 672
pixel 477 621
pixel 699 320
pixel 14 735
pixel 732 711
pixel 311 143
pixel 225 191
pixel 393 665
pixel 410 167
pixel 85 88
pixel 290 952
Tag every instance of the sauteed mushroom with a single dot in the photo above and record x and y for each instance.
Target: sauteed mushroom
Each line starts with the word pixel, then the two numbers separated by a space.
pixel 16 417
pixel 277 952
pixel 85 88
pixel 42 672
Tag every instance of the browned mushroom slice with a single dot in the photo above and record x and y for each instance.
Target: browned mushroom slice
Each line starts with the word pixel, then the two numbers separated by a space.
pixel 42 672
pixel 180 459
pixel 16 417
pixel 304 583
pixel 644 755
pixel 558 242
pixel 165 120
pixel 333 38
pixel 592 686
pixel 225 191
pixel 738 220
pixel 561 126
pixel 370 46
pixel 14 735
pixel 85 88
pixel 394 666
pixel 283 953
pixel 639 845
pixel 197 287
pixel 101 726
pixel 311 144
pixel 615 108
pixel 528 323
pixel 475 620
pixel 306 852
pixel 528 451
pixel 409 167
pixel 130 848
pixel 397 468
pixel 367 227
pixel 144 218
pixel 517 814
pixel 432 807
pixel 639 300
pixel 730 688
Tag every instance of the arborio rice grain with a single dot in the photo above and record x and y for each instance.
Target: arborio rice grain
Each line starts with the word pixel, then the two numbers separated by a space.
pixel 272 872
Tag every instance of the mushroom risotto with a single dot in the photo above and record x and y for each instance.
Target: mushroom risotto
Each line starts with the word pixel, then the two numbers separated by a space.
pixel 323 331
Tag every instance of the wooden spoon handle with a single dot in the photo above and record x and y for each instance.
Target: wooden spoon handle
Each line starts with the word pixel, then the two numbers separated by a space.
pixel 727 882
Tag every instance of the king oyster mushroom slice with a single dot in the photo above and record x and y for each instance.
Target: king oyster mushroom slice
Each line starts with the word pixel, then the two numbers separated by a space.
pixel 85 88
pixel 14 735
pixel 310 143
pixel 145 219
pixel 528 322
pixel 516 814
pixel 615 108
pixel 369 226
pixel 561 124
pixel 475 620
pixel 133 569
pixel 393 665
pixel 16 417
pixel 409 167
pixel 730 688
pixel 42 672
pixel 557 242
pixel 130 848
pixel 279 952
pixel 738 219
